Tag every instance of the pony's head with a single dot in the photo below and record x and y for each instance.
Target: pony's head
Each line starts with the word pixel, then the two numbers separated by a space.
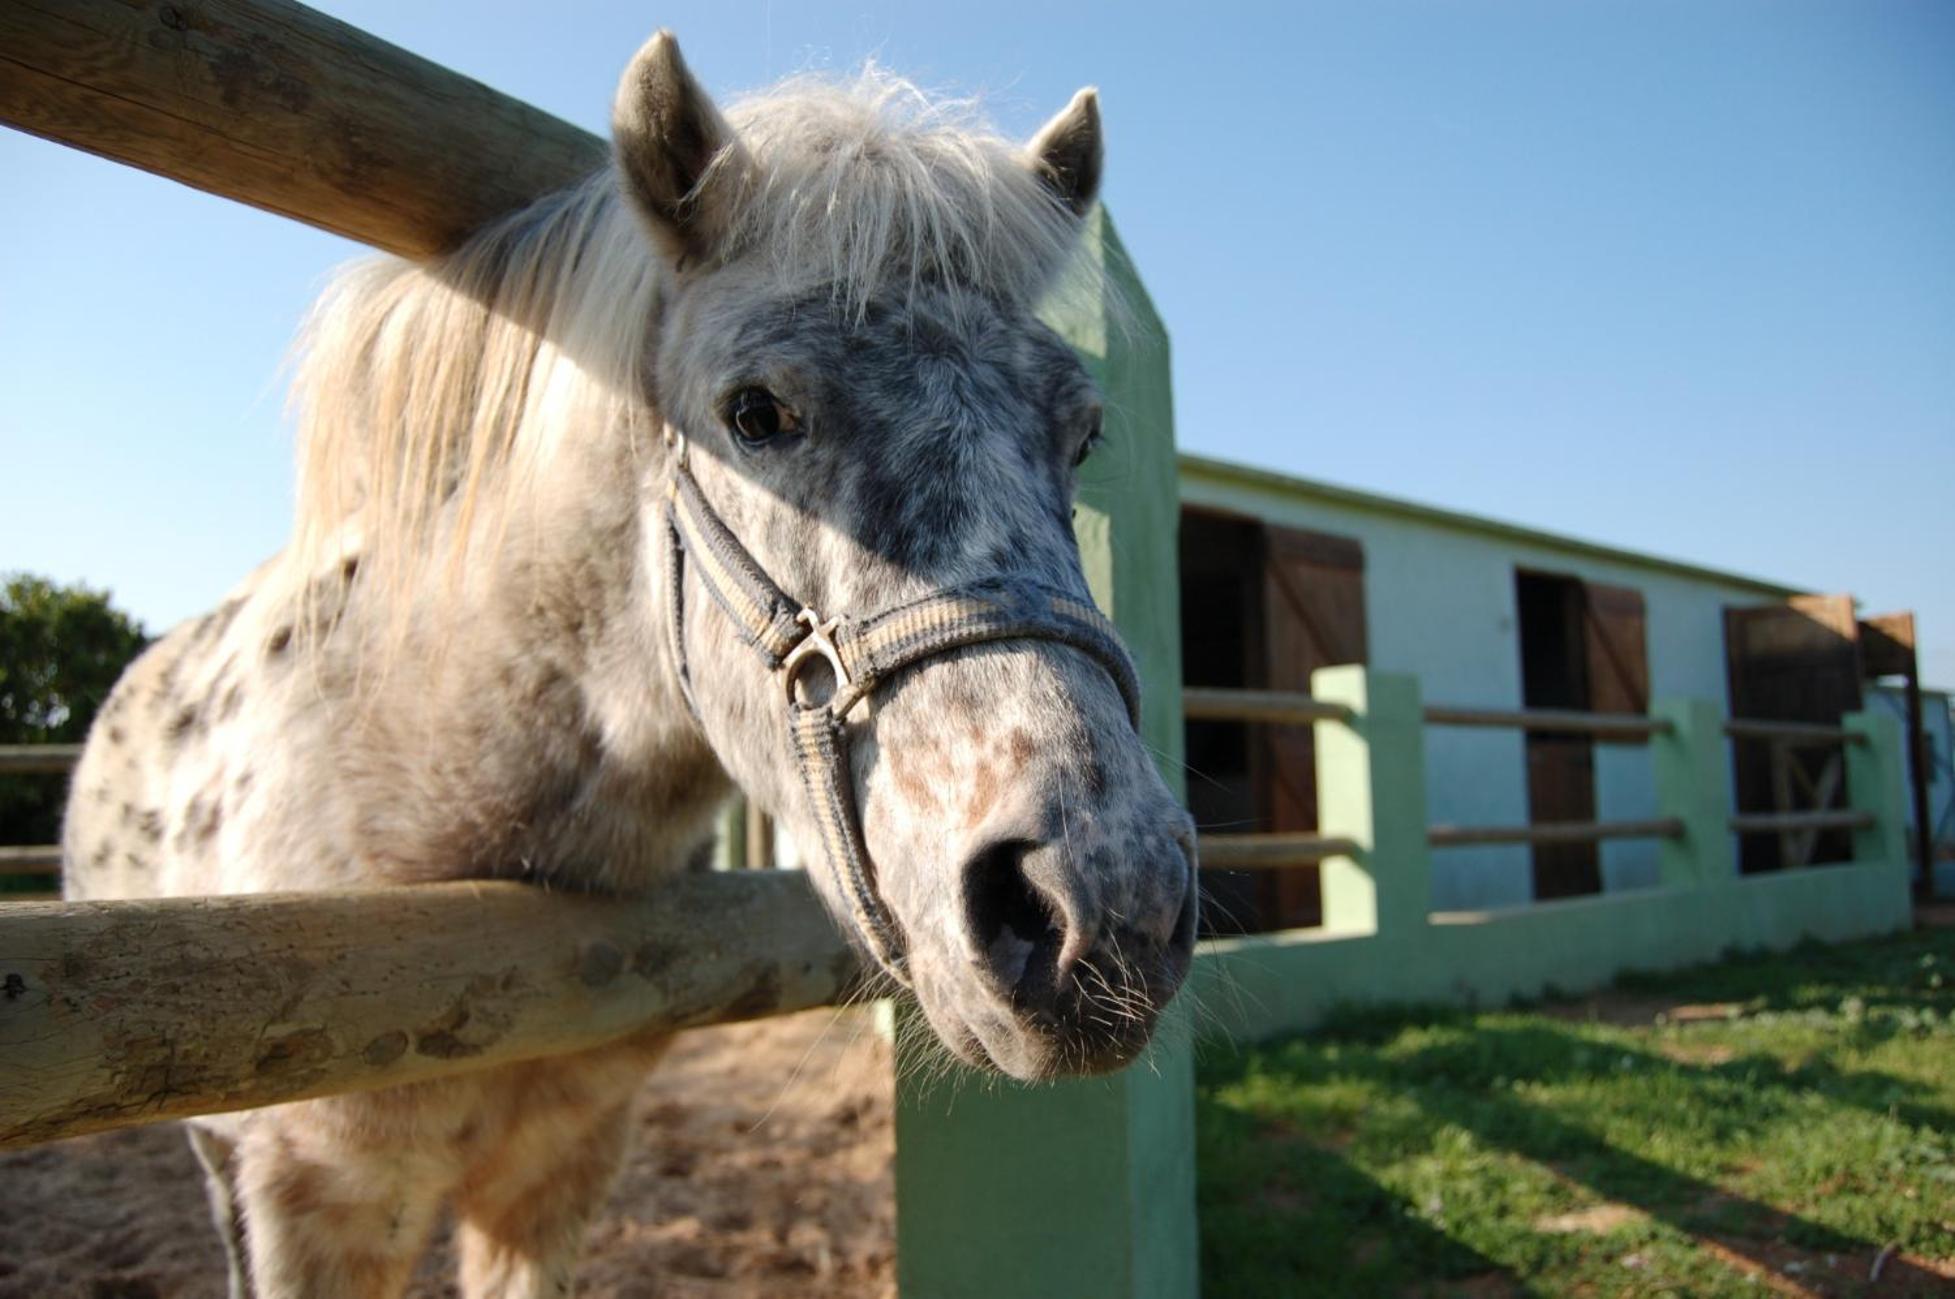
pixel 847 351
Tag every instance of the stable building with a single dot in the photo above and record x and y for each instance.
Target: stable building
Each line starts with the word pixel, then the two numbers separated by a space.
pixel 1281 576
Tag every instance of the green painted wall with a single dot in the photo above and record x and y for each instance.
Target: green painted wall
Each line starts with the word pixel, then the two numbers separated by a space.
pixel 1370 770
pixel 1083 1189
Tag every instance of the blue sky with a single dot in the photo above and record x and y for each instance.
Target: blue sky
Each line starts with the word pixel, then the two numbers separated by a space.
pixel 1674 276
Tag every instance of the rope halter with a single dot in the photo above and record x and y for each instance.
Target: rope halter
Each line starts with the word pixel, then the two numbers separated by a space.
pixel 862 654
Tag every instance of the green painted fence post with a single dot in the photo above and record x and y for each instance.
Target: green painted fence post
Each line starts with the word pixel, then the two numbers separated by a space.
pixel 1875 784
pixel 730 845
pixel 1371 788
pixel 1692 765
pixel 1082 1190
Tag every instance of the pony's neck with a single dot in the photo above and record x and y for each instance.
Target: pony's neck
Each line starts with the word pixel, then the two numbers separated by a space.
pixel 479 427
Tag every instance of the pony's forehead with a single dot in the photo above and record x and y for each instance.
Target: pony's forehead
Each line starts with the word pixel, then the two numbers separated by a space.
pixel 933 323
pixel 868 187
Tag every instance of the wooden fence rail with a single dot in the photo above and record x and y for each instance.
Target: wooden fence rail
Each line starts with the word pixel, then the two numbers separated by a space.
pixel 1453 836
pixel 116 1013
pixel 38 759
pixel 1199 703
pixel 39 859
pixel 1206 703
pixel 1270 851
pixel 275 105
pixel 1752 728
pixel 1549 719
pixel 1780 822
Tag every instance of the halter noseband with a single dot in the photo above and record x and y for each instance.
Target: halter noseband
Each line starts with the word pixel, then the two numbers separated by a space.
pixel 862 654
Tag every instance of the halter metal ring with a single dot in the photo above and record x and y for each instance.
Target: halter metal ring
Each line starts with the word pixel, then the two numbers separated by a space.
pixel 819 641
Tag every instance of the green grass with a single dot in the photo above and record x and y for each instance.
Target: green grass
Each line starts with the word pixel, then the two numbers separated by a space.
pixel 1765 1126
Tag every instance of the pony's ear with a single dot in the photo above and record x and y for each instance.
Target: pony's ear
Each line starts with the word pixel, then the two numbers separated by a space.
pixel 680 163
pixel 1066 152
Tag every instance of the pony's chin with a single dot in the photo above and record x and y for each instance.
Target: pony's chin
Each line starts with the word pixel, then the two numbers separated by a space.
pixel 992 1041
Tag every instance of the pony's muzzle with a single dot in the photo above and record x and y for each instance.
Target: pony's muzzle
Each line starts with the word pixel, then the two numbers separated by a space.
pixel 1079 952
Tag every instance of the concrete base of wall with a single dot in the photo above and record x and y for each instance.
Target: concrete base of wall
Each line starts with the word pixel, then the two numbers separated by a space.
pixel 1269 985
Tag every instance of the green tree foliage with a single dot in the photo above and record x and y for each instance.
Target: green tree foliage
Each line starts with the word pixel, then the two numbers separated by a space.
pixel 61 650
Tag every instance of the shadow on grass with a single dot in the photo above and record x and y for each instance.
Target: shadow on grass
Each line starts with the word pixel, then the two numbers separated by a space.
pixel 1282 1197
pixel 1314 1224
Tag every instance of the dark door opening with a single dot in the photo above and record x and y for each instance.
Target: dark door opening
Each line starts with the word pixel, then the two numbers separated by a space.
pixel 1793 662
pixel 1584 649
pixel 1262 607
pixel 1560 767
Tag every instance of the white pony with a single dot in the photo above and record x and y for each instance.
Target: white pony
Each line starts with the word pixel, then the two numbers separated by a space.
pixel 556 490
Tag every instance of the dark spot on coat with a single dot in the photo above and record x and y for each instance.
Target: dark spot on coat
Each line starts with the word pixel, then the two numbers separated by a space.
pixel 350 569
pixel 196 824
pixel 183 723
pixel 150 825
pixel 212 821
pixel 233 699
pixel 385 1049
pixel 279 641
pixel 1022 746
pixel 1094 772
pixel 117 735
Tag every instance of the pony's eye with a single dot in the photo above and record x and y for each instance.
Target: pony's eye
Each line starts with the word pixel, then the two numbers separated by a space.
pixel 1095 435
pixel 757 417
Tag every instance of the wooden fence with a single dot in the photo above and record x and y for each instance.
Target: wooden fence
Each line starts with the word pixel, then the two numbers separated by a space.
pixel 1382 939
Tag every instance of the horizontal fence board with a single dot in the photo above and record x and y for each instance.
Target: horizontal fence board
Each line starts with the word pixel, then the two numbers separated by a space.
pixel 38 759
pixel 276 105
pixel 1751 728
pixel 1777 822
pixel 1270 851
pixel 38 859
pixel 1452 836
pixel 1547 719
pixel 1210 704
pixel 115 1013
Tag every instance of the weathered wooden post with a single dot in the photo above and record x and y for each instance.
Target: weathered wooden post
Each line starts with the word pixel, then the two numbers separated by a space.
pixel 1692 765
pixel 1082 1189
pixel 1371 789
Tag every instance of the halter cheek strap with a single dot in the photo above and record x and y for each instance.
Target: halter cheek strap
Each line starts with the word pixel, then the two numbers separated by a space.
pixel 861 655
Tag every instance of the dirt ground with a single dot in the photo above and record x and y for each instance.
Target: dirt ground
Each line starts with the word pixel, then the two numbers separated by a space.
pixel 763 1168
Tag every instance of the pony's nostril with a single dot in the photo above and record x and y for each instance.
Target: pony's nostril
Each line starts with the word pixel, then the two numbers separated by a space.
pixel 1019 932
pixel 1189 916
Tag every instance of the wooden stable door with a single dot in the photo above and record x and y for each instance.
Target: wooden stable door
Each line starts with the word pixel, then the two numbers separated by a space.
pixel 1793 662
pixel 1583 649
pixel 1313 617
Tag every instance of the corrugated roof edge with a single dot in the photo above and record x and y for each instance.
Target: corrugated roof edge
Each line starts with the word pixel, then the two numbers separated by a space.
pixel 1270 480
